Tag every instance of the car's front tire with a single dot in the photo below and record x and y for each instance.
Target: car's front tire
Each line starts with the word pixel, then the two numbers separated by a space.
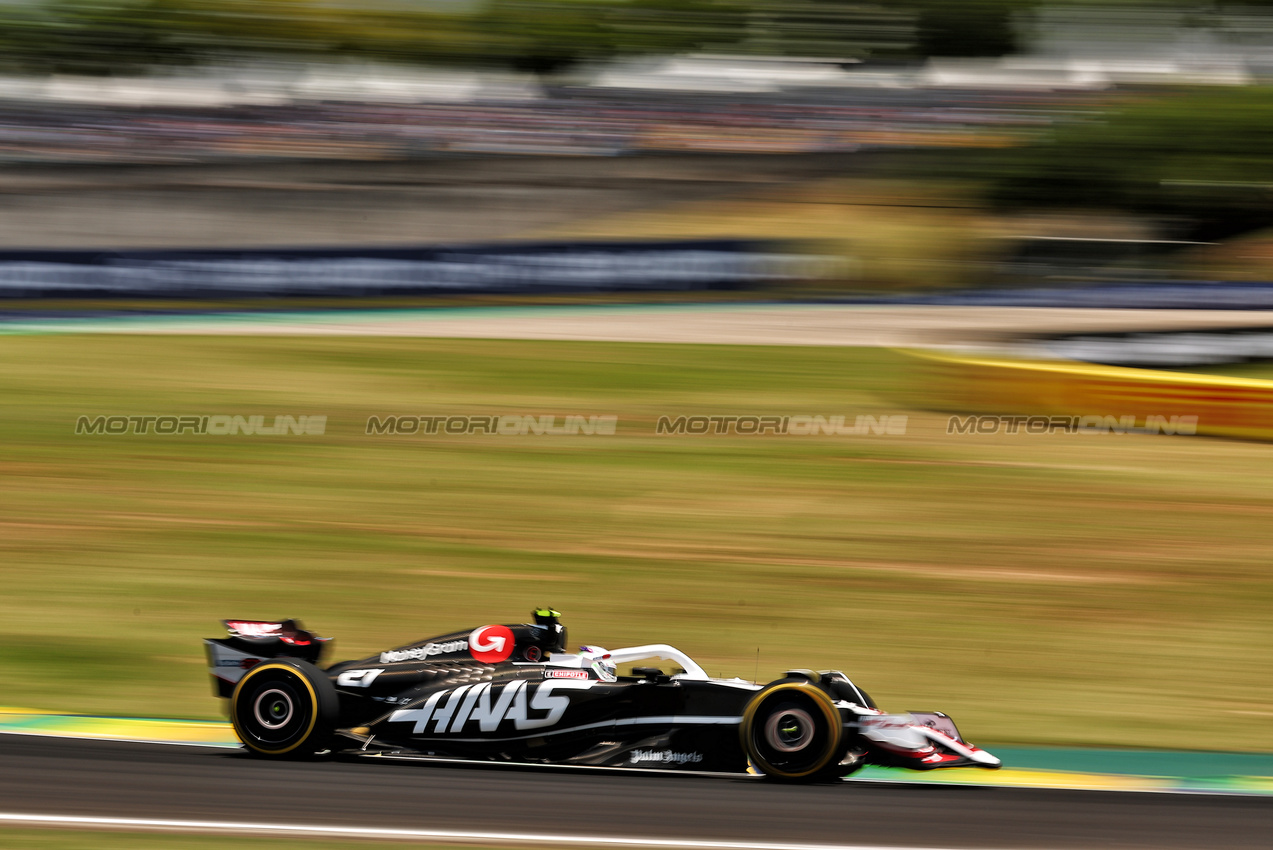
pixel 284 708
pixel 792 732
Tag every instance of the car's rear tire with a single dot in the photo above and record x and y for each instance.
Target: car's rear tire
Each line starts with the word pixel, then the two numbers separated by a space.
pixel 792 732
pixel 284 708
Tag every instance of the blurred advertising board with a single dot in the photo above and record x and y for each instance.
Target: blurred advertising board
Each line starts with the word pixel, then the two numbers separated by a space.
pixel 501 268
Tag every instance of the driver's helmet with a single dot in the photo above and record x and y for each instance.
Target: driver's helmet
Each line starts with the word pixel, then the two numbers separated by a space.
pixel 598 660
pixel 552 635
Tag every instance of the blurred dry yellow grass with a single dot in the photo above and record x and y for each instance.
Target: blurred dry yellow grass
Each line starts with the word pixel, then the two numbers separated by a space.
pixel 1078 589
pixel 894 234
pixel 1248 257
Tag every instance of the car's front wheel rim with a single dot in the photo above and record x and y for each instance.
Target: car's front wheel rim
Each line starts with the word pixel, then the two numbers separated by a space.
pixel 789 731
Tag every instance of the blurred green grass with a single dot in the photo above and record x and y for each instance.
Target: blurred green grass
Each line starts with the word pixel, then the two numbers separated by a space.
pixel 1259 369
pixel 1069 589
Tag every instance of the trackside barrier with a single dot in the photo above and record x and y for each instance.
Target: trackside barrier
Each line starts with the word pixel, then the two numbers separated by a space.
pixel 1180 295
pixel 551 267
pixel 1225 407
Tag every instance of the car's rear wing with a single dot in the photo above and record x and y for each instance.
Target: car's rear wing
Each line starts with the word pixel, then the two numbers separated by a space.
pixel 252 641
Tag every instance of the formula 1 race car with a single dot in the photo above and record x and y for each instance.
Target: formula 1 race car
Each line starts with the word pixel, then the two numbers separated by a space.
pixel 514 694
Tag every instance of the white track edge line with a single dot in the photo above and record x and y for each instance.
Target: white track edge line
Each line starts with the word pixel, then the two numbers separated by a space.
pixel 419 834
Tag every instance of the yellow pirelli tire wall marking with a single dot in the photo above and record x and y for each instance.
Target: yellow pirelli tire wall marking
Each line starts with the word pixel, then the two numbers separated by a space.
pixel 1223 406
pixel 313 708
pixel 821 701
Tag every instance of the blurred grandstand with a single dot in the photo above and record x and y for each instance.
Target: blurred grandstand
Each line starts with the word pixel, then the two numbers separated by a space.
pixel 187 80
pixel 1069 141
pixel 110 121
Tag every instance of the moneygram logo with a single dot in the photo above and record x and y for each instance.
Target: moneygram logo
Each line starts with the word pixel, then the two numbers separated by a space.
pixel 491 644
pixel 419 653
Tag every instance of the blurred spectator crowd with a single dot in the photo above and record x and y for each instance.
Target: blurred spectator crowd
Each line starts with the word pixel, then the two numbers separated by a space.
pixel 593 125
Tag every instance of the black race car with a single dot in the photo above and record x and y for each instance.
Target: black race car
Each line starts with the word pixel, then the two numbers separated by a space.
pixel 514 694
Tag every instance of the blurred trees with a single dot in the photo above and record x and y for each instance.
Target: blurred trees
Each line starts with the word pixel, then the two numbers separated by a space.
pixel 1196 158
pixel 546 35
pixel 827 28
pixel 84 37
pixel 107 36
pixel 125 36
pixel 957 28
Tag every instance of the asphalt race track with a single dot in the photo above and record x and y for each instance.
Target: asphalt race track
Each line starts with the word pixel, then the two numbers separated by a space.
pixel 51 776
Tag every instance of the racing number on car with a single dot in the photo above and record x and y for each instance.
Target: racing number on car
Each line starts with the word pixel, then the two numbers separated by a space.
pixel 491 644
pixel 357 678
